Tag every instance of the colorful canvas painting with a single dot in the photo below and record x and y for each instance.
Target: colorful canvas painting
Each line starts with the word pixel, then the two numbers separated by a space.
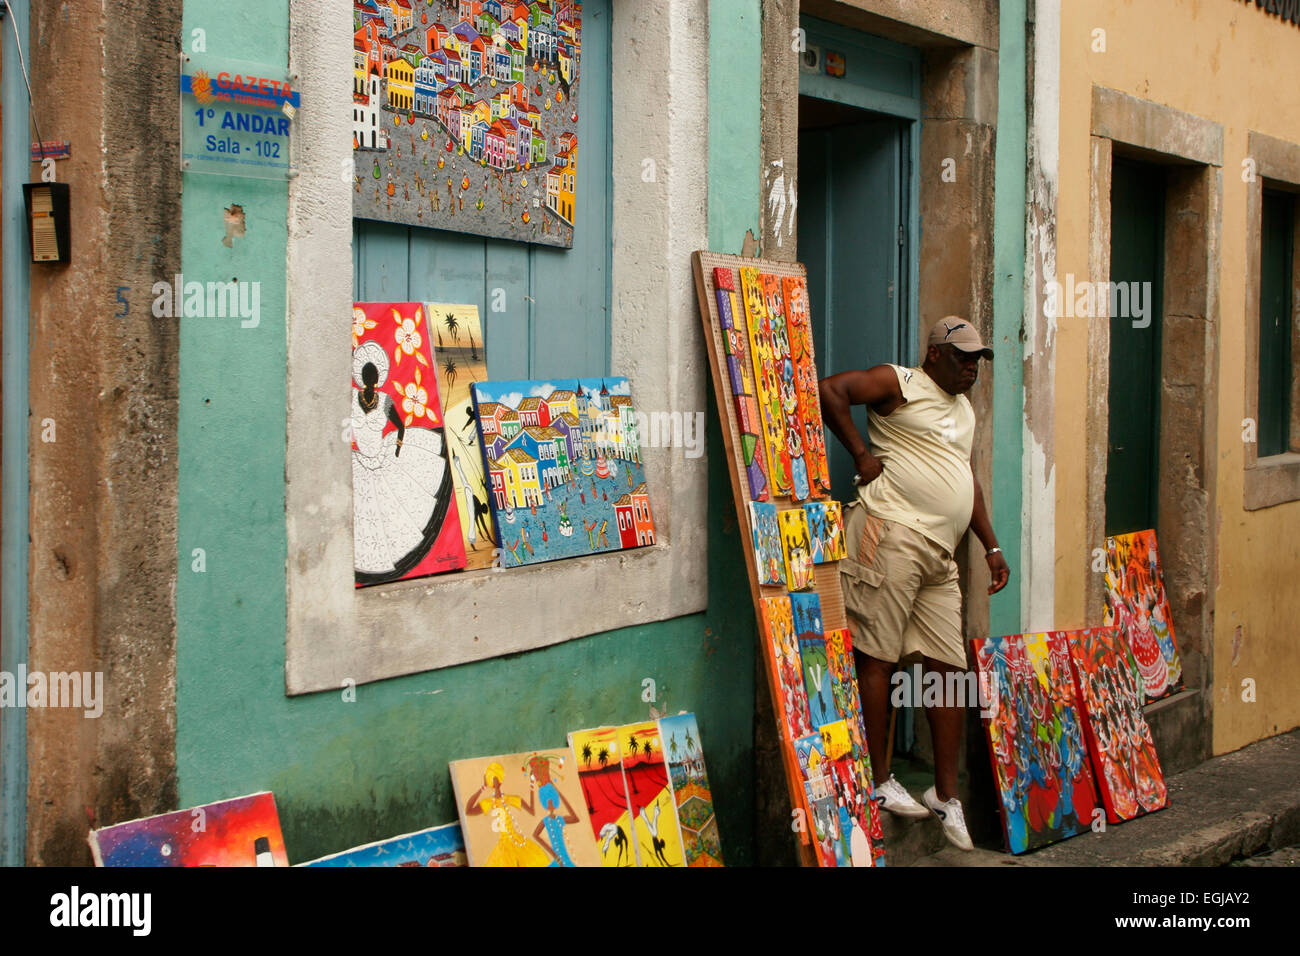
pixel 796 546
pixel 778 623
pixel 1129 779
pixel 460 358
pixel 806 384
pixel 816 678
pixel 1036 741
pixel 848 705
pixel 658 837
pixel 437 846
pixel 563 460
pixel 244 831
pixel 465 116
pixel 524 809
pixel 767 383
pixel 735 339
pixel 597 756
pixel 1136 603
pixel 680 736
pixel 826 826
pixel 769 557
pixel 825 531
pixel 779 337
pixel 807 613
pixel 405 523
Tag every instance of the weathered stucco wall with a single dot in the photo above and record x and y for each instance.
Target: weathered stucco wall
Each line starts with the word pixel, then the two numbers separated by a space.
pixel 1215 61
pixel 103 512
pixel 103 491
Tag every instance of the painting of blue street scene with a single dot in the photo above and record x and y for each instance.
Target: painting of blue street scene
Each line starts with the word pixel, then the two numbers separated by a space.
pixel 563 460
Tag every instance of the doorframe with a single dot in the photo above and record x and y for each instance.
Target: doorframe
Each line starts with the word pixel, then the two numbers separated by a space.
pixel 1192 149
pixel 905 106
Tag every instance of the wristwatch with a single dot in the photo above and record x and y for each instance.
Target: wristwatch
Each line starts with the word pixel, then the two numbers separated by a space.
pixel 992 551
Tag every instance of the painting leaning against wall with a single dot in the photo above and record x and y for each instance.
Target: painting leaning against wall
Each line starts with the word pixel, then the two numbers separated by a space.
pixel 461 359
pixel 563 459
pixel 465 116
pixel 404 518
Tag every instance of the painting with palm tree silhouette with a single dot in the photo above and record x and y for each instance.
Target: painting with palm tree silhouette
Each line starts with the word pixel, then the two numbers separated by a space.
pixel 654 812
pixel 523 809
pixel 680 737
pixel 460 355
pixel 597 758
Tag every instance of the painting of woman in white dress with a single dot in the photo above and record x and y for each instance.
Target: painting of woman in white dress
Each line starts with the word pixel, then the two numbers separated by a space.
pixel 404 520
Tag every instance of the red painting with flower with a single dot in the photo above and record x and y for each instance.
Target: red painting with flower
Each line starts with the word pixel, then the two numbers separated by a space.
pixel 404 518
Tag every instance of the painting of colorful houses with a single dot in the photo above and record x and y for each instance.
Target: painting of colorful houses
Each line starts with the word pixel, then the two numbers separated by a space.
pixel 563 460
pixel 465 115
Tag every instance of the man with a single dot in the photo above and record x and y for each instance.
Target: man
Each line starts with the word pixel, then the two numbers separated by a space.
pixel 917 497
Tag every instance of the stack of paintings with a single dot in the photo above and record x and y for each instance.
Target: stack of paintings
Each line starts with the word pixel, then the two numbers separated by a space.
pixel 761 349
pixel 1129 779
pixel 1034 724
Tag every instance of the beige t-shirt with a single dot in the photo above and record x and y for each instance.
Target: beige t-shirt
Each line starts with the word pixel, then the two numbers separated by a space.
pixel 925 446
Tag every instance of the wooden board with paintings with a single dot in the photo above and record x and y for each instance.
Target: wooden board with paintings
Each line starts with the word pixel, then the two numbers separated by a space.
pixel 759 451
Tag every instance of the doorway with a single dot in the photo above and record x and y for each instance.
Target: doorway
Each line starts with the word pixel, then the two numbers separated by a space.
pixel 858 227
pixel 1137 241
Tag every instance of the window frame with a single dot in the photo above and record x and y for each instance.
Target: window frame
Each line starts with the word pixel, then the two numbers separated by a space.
pixel 1270 480
pixel 335 633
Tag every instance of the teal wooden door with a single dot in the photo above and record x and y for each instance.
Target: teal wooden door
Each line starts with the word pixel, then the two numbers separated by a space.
pixel 1275 310
pixel 858 220
pixel 545 311
pixel 1136 255
pixel 853 240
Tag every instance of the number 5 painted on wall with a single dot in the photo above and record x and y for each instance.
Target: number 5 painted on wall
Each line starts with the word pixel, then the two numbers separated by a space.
pixel 121 298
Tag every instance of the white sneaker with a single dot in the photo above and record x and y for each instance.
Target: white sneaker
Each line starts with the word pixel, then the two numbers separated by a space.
pixel 893 796
pixel 950 815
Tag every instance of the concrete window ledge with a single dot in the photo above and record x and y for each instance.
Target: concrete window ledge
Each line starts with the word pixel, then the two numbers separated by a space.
pixel 336 633
pixel 1272 481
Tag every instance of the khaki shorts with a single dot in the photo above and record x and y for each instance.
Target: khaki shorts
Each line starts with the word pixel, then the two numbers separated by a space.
pixel 900 591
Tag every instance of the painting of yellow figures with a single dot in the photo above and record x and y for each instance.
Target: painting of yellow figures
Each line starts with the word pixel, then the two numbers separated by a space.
pixel 523 809
pixel 600 775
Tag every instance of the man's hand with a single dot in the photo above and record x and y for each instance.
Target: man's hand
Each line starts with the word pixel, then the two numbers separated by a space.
pixel 1000 571
pixel 868 467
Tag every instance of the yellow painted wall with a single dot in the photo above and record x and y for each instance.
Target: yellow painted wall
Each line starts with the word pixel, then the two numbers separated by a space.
pixel 1234 64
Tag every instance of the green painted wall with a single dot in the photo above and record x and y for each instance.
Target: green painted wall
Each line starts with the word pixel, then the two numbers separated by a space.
pixel 348 773
pixel 1008 310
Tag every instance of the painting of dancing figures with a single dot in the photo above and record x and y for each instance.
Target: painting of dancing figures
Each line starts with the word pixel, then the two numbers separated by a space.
pixel 405 523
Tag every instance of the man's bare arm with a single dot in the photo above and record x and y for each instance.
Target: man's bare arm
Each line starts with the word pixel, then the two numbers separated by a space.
pixel 876 388
pixel 983 528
